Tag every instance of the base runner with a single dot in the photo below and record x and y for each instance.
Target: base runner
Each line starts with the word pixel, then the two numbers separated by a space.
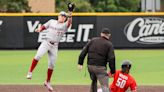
pixel 122 79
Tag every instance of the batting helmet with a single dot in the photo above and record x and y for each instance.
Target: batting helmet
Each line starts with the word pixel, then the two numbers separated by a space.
pixel 126 64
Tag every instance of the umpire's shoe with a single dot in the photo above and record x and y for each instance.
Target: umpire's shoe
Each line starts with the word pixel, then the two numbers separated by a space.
pixel 48 85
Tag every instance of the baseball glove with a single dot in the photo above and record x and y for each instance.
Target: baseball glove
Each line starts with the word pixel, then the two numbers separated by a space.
pixel 71 7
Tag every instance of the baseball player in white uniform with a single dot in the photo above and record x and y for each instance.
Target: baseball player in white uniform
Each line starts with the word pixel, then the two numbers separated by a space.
pixel 56 29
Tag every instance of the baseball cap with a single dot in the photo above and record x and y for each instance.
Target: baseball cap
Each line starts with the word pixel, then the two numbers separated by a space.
pixel 106 31
pixel 63 13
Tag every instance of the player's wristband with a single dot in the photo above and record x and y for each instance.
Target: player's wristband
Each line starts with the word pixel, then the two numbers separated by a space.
pixel 69 16
pixel 43 27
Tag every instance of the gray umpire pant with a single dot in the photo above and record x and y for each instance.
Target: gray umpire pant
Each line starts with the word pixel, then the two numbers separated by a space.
pixel 98 73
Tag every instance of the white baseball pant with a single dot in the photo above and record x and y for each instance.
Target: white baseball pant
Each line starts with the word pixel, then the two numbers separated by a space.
pixel 52 50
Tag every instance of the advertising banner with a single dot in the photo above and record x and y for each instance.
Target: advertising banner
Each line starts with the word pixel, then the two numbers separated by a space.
pixel 17 32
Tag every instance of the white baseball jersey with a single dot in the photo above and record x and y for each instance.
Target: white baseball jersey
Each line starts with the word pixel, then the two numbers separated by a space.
pixel 55 30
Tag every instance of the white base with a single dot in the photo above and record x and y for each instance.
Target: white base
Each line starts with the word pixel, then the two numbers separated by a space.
pixel 99 90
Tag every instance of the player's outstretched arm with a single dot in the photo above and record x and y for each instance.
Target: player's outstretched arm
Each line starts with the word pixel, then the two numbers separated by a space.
pixel 71 7
pixel 110 75
pixel 69 21
pixel 40 28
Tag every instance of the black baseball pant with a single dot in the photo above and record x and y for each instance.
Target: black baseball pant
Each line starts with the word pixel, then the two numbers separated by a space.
pixel 98 73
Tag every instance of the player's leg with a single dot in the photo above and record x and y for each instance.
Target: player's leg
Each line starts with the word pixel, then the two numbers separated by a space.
pixel 93 77
pixel 52 56
pixel 43 48
pixel 103 78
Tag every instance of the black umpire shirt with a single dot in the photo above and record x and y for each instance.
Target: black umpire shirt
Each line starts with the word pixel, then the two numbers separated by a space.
pixel 100 52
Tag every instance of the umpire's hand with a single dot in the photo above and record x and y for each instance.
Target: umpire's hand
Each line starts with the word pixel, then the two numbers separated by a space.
pixel 80 67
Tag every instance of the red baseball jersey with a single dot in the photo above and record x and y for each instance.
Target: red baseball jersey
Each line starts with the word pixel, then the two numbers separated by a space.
pixel 122 81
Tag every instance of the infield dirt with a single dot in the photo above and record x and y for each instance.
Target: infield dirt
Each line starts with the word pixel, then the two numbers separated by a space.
pixel 67 88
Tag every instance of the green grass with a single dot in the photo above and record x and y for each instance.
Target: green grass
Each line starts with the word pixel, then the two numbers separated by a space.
pixel 147 67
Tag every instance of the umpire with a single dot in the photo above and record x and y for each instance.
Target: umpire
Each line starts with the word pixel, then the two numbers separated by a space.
pixel 100 52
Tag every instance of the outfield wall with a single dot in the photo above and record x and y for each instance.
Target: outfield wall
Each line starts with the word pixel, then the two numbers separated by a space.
pixel 129 30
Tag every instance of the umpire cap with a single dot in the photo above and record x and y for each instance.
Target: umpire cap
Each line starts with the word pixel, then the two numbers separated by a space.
pixel 126 64
pixel 106 31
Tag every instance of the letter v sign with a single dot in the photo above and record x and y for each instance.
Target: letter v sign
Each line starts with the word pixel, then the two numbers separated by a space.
pixel 1 22
pixel 31 27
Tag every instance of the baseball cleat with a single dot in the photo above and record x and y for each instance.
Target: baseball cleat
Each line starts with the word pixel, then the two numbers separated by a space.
pixel 48 85
pixel 29 75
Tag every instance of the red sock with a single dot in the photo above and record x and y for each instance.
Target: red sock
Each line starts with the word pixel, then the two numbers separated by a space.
pixel 49 74
pixel 33 65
